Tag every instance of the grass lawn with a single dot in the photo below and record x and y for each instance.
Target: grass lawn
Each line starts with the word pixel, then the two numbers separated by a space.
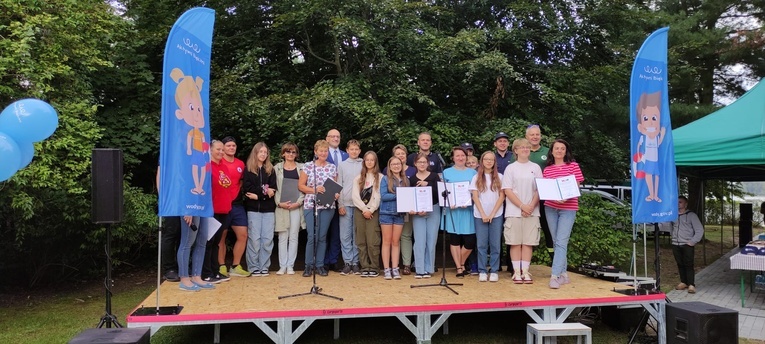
pixel 56 316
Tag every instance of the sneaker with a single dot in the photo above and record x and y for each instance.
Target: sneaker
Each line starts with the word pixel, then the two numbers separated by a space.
pixel 554 284
pixel 281 271
pixel 223 270
pixel 255 273
pixel 322 271
pixel 563 279
pixel 264 272
pixel 210 280
pixel 365 274
pixel 493 277
pixel 387 274
pixel 681 286
pixel 346 269
pixel 172 276
pixel 474 269
pixel 239 272
pixel 373 273
pixel 418 276
pixel 482 277
pixel 192 287
pixel 356 269
pixel 426 275
pixel 395 273
pixel 691 289
pixel 222 278
pixel 308 271
pixel 527 278
pixel 290 270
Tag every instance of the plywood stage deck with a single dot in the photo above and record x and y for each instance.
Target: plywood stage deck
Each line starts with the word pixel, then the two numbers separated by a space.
pixel 257 301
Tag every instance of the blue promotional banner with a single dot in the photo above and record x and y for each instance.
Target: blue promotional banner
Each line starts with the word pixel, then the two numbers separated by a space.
pixel 654 178
pixel 184 159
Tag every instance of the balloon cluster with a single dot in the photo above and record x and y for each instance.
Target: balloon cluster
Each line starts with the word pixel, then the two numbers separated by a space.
pixel 23 123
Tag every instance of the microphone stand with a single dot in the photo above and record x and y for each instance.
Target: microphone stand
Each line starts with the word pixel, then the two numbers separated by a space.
pixel 315 289
pixel 443 282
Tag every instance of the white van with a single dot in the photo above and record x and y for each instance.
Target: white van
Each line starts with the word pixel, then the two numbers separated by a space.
pixel 621 192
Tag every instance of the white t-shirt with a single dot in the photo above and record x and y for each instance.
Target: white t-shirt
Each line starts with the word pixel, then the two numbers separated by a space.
pixel 519 176
pixel 488 198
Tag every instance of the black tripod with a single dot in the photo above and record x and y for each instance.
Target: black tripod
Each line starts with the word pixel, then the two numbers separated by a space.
pixel 315 289
pixel 443 282
pixel 108 318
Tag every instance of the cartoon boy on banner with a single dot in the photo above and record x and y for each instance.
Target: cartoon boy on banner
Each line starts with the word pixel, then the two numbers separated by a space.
pixel 191 111
pixel 649 125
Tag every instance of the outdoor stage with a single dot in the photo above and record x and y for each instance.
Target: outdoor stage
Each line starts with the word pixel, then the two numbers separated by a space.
pixel 422 310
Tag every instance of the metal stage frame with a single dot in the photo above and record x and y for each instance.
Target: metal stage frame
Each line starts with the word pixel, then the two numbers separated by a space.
pixel 422 320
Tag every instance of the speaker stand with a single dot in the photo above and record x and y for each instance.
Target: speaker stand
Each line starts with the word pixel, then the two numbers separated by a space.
pixel 108 318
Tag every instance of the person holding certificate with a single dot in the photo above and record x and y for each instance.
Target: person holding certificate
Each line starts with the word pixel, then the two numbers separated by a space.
pixel 288 201
pixel 400 152
pixel 486 188
pixel 366 217
pixel 425 224
pixel 561 214
pixel 391 221
pixel 459 219
pixel 311 182
pixel 521 210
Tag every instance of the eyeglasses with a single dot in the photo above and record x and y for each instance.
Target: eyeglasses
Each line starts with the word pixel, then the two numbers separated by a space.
pixel 422 162
pixel 290 152
pixel 523 148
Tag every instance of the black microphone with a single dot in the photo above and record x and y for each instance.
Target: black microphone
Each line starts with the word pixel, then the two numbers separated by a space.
pixel 441 160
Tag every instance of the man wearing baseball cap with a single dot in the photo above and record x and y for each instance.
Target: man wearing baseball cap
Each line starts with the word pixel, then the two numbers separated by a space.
pixel 467 146
pixel 503 155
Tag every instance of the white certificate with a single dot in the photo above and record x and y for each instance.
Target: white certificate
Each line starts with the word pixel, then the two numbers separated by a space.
pixel 414 199
pixel 558 189
pixel 459 195
pixel 211 225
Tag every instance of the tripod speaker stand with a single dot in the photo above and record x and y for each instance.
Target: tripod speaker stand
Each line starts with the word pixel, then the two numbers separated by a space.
pixel 443 282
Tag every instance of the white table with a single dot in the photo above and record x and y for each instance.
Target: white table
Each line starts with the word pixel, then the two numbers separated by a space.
pixel 746 262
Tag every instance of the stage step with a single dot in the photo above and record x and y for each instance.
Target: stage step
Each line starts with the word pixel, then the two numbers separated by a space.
pixel 536 333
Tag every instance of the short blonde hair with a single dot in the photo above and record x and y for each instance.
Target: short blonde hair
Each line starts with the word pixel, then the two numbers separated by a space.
pixel 521 143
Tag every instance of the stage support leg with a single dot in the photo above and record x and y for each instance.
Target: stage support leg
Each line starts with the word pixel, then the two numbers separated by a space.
pixel 283 333
pixel 658 312
pixel 549 315
pixel 337 328
pixel 424 329
pixel 216 334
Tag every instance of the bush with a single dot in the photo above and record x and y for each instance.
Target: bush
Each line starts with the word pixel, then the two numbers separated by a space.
pixel 601 234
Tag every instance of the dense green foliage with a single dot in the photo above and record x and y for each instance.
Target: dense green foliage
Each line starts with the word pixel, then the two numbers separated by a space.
pixel 379 71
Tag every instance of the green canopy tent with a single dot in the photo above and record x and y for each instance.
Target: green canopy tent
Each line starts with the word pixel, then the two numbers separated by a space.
pixel 728 144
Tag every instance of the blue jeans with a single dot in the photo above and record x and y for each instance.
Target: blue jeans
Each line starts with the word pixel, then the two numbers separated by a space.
pixel 487 239
pixel 348 237
pixel 191 248
pixel 425 230
pixel 561 222
pixel 325 218
pixel 260 240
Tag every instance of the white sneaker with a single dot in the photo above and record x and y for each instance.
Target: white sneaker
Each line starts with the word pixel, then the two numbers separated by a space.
pixel 290 270
pixel 281 271
pixel 482 277
pixel 493 277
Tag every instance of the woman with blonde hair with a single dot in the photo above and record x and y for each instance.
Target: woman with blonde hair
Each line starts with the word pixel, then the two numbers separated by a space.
pixel 486 190
pixel 259 189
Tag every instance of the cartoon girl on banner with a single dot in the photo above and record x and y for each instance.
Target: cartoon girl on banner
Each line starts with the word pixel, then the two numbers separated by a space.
pixel 191 111
pixel 649 125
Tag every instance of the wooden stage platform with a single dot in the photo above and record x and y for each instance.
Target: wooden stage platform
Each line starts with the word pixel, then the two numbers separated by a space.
pixel 422 310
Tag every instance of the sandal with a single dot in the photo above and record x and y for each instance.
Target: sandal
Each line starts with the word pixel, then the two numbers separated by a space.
pixel 406 270
pixel 461 272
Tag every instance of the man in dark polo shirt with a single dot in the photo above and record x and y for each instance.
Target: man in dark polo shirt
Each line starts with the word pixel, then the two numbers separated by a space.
pixel 424 142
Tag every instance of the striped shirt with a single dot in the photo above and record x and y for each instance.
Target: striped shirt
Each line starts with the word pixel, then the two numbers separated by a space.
pixel 557 171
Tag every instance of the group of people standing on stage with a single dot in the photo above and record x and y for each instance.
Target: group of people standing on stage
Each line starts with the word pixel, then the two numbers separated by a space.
pixel 360 227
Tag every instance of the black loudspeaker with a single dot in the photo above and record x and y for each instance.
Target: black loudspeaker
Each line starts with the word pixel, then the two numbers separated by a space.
pixel 701 323
pixel 113 336
pixel 106 183
pixel 744 224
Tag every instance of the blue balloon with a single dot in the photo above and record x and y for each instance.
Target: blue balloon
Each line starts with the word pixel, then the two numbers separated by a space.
pixel 29 120
pixel 27 152
pixel 10 156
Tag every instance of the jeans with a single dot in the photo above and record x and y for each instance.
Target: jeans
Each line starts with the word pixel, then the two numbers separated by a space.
pixel 260 240
pixel 425 230
pixel 317 234
pixel 561 222
pixel 348 237
pixel 288 241
pixel 684 258
pixel 191 249
pixel 488 237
